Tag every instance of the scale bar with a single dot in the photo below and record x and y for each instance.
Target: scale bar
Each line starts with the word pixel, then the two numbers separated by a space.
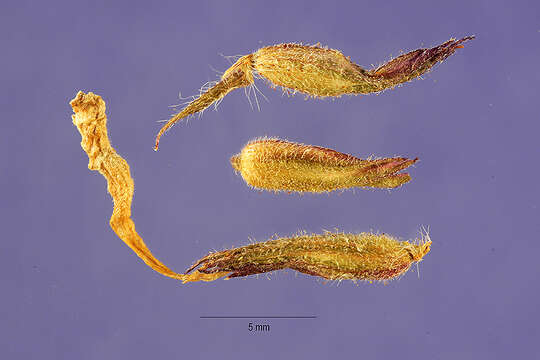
pixel 258 317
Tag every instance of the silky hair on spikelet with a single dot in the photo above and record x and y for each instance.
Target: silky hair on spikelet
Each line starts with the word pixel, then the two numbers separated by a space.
pixel 278 165
pixel 316 71
pixel 332 255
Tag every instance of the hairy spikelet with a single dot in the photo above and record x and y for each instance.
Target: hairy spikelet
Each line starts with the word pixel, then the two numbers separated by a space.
pixel 316 71
pixel 333 256
pixel 278 165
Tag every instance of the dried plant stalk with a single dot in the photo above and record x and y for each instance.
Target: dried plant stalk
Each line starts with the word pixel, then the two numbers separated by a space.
pixel 91 121
pixel 279 165
pixel 333 256
pixel 316 71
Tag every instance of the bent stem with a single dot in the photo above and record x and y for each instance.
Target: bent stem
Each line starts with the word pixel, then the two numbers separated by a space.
pixel 237 76
pixel 91 121
pixel 316 71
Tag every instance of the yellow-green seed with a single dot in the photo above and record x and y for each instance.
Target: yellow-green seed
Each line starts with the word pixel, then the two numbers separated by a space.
pixel 316 71
pixel 332 255
pixel 279 165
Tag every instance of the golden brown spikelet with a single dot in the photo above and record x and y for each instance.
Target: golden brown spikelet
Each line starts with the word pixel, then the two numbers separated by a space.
pixel 279 165
pixel 316 71
pixel 332 255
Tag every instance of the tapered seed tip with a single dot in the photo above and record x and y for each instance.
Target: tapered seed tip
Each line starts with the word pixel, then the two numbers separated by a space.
pixel 425 244
pixel 235 162
pixel 398 164
pixel 156 145
pixel 420 249
pixel 458 44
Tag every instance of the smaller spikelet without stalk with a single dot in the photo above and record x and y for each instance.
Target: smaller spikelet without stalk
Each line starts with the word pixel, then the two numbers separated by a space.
pixel 279 165
pixel 316 71
pixel 332 256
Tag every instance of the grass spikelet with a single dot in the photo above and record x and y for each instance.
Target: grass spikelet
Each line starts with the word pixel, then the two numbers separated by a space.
pixel 332 256
pixel 279 165
pixel 316 71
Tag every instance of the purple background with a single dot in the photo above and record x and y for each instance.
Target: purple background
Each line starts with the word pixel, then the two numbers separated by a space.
pixel 72 290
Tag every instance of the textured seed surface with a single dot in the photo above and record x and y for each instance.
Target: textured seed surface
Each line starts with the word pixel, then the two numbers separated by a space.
pixel 313 70
pixel 333 256
pixel 279 165
pixel 316 71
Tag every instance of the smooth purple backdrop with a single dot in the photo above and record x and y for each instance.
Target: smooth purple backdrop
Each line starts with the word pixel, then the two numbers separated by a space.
pixel 72 290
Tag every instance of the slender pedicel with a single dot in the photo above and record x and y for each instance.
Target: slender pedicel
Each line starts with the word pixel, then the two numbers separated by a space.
pixel 333 256
pixel 279 165
pixel 316 71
